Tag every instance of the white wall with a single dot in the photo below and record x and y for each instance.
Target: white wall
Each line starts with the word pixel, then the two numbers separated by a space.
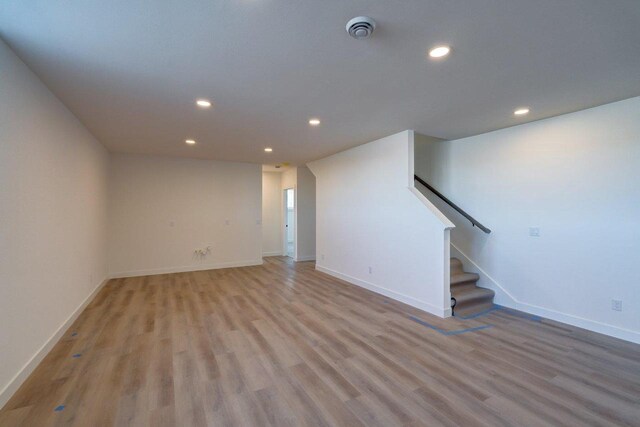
pixel 271 213
pixel 305 215
pixel 368 216
pixel 52 220
pixel 161 209
pixel 289 178
pixel 577 178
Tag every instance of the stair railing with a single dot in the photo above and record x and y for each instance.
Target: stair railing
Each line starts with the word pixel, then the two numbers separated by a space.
pixel 474 222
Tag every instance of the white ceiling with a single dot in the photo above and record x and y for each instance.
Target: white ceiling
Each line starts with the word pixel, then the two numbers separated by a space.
pixel 131 70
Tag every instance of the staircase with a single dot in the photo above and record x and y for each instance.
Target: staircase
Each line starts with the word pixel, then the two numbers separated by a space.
pixel 470 299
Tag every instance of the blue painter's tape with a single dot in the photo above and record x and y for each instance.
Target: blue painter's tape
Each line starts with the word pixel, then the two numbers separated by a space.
pixel 77 355
pixel 449 333
pixel 59 408
pixel 423 323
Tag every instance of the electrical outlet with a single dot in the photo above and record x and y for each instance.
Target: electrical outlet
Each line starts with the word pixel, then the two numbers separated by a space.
pixel 534 232
pixel 370 270
pixel 616 305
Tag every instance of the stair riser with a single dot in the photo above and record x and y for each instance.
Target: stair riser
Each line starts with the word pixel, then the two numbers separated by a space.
pixel 459 287
pixel 455 266
pixel 473 302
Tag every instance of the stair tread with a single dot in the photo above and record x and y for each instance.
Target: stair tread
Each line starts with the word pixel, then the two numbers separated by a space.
pixel 472 294
pixel 464 277
pixel 470 310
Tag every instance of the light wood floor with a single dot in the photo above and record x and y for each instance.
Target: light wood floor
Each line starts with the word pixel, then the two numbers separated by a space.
pixel 284 345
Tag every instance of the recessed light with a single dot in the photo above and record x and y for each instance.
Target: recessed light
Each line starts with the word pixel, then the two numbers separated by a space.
pixel 203 103
pixel 521 111
pixel 268 149
pixel 439 51
pixel 314 122
pixel 190 141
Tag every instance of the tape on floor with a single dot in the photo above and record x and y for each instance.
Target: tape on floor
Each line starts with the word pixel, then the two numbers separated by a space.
pixel 448 333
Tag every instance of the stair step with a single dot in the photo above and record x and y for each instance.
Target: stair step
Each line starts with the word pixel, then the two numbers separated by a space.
pixel 455 265
pixel 461 281
pixel 470 299
pixel 460 278
pixel 474 294
pixel 473 309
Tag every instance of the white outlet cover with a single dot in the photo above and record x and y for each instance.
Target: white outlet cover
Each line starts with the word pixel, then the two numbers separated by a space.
pixel 534 231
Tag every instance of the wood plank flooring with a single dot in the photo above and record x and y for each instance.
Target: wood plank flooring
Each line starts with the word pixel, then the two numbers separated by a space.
pixel 284 345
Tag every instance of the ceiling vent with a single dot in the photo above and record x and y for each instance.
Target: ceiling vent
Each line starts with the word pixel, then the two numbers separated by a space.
pixel 361 27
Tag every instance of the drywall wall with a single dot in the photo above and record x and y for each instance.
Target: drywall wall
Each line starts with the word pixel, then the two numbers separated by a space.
pixel 161 209
pixel 52 220
pixel 271 213
pixel 574 177
pixel 305 215
pixel 374 231
pixel 289 178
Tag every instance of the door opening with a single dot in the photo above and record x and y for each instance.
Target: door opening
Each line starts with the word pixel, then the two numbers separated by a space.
pixel 289 222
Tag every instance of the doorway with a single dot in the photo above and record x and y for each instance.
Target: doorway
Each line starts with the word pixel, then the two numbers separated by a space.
pixel 289 222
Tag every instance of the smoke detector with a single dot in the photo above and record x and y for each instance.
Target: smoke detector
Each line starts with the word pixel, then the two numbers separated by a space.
pixel 361 27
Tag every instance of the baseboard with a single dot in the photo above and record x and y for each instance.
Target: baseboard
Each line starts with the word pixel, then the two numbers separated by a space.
pixel 305 258
pixel 200 267
pixel 580 322
pixel 508 300
pixel 29 367
pixel 429 308
pixel 274 253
